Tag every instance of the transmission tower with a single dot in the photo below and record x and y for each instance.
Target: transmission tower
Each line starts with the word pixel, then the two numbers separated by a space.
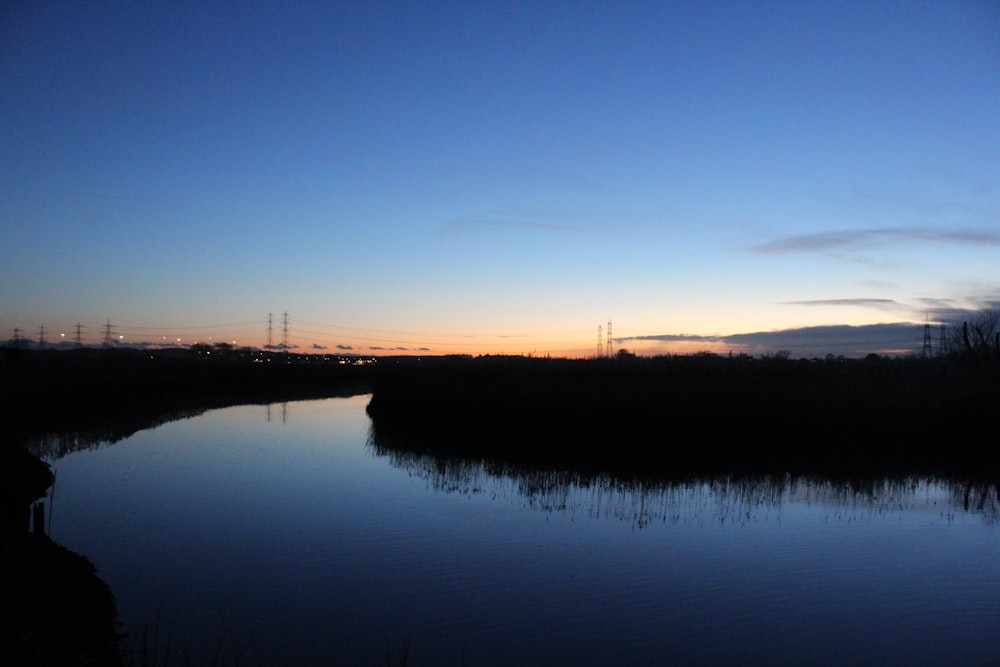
pixel 942 342
pixel 109 333
pixel 78 337
pixel 270 332
pixel 611 346
pixel 17 337
pixel 927 340
pixel 600 342
pixel 41 336
pixel 284 331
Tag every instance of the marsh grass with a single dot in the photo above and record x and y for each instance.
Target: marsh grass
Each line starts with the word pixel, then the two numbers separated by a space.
pixel 700 415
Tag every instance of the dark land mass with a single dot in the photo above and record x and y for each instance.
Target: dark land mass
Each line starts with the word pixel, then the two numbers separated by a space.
pixel 625 417
pixel 53 608
pixel 111 393
pixel 677 416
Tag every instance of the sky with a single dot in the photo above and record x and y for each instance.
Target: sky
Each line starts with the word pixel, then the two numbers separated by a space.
pixel 500 177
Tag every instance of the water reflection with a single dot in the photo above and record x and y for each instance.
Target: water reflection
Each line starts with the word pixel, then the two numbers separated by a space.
pixel 734 499
pixel 724 499
pixel 54 445
pixel 284 412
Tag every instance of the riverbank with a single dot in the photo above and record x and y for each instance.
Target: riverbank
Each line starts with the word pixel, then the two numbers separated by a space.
pixel 54 610
pixel 111 393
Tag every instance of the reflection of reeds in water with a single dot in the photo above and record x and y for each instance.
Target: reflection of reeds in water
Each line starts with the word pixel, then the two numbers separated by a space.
pixel 147 650
pixel 54 445
pixel 695 501
pixel 983 499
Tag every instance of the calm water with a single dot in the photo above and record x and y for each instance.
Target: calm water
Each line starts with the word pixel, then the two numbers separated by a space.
pixel 284 536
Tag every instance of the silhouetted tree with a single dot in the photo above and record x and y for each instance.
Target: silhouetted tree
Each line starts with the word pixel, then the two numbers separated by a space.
pixel 979 340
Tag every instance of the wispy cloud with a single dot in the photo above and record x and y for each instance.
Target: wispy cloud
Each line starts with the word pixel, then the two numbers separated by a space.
pixel 851 341
pixel 955 311
pixel 818 341
pixel 858 239
pixel 878 304
pixel 674 338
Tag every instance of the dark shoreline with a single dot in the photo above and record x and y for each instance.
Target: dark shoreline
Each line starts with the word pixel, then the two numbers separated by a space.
pixel 54 610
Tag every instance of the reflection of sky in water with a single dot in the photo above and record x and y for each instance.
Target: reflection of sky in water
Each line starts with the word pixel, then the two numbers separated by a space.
pixel 292 534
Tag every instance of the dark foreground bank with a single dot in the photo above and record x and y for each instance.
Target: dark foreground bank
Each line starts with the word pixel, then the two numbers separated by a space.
pixel 53 608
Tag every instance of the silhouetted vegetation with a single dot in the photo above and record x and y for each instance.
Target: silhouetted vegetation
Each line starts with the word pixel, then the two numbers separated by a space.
pixel 978 342
pixel 700 414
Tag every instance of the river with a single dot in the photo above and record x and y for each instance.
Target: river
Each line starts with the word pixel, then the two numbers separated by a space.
pixel 282 535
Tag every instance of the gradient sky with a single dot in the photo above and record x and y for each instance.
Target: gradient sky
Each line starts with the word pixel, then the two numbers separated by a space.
pixel 493 177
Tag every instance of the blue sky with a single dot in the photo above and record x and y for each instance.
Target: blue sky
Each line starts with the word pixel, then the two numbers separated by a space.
pixel 497 176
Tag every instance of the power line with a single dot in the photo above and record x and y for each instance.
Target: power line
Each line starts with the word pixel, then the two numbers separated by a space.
pixel 225 325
